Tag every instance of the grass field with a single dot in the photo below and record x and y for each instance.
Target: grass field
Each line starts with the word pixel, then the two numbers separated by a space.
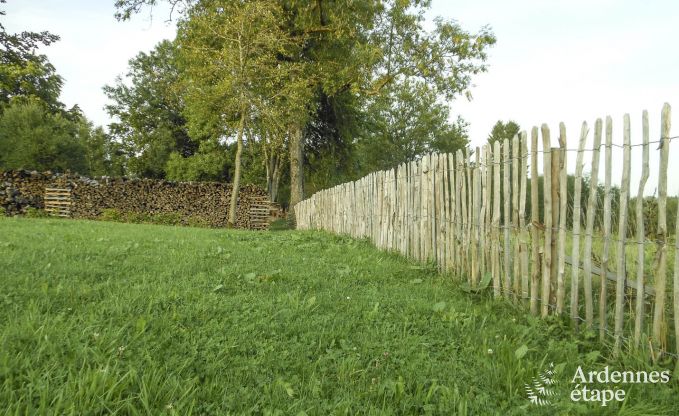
pixel 106 318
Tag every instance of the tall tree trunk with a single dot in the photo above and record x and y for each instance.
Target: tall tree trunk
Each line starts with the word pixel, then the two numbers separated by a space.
pixel 236 176
pixel 276 179
pixel 296 165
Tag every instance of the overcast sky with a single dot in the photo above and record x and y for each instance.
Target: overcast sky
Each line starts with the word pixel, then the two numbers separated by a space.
pixel 555 60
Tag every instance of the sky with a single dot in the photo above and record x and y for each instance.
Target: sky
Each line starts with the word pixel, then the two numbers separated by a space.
pixel 554 61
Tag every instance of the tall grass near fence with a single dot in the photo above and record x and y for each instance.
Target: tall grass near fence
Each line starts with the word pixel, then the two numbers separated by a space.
pixel 574 245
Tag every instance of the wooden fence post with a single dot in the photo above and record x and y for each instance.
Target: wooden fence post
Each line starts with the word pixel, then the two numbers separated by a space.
pixel 535 221
pixel 641 236
pixel 507 217
pixel 515 218
pixel 476 193
pixel 523 246
pixel 577 193
pixel 622 235
pixel 547 198
pixel 661 238
pixel 495 238
pixel 553 271
pixel 589 227
pixel 563 206
pixel 603 305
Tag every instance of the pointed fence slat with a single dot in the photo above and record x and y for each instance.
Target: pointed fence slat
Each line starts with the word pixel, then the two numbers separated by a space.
pixel 661 235
pixel 507 217
pixel 589 226
pixel 622 235
pixel 547 202
pixel 536 271
pixel 523 231
pixel 641 236
pixel 577 192
pixel 563 206
pixel 603 305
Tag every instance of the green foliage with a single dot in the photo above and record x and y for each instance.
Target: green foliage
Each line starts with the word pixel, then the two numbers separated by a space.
pixel 25 74
pixel 502 131
pixel 163 218
pixel 149 105
pixel 33 138
pixel 210 163
pixel 3 212
pixel 36 132
pixel 31 212
pixel 405 123
pixel 280 225
pixel 111 214
pixel 362 80
pixel 199 321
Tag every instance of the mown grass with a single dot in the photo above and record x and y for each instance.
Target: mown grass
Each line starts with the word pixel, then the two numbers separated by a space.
pixel 106 318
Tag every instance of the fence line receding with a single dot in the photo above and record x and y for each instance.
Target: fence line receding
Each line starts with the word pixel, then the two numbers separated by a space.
pixel 558 243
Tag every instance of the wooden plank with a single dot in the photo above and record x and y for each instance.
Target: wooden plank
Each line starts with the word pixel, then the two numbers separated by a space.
pixel 445 211
pixel 610 276
pixel 661 235
pixel 535 221
pixel 515 218
pixel 438 191
pixel 476 201
pixel 563 206
pixel 553 271
pixel 603 304
pixel 483 169
pixel 641 236
pixel 622 236
pixel 577 194
pixel 589 226
pixel 523 248
pixel 489 211
pixel 459 226
pixel 452 237
pixel 507 217
pixel 477 214
pixel 547 200
pixel 495 237
pixel 463 220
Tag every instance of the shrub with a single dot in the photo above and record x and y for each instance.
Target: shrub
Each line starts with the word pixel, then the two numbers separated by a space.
pixel 3 212
pixel 280 225
pixel 167 218
pixel 137 217
pixel 110 214
pixel 31 212
pixel 199 222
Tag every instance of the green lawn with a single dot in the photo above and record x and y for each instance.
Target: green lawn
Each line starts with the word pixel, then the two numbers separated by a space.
pixel 107 318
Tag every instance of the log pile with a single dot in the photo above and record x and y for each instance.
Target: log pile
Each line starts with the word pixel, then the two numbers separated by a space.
pixel 203 202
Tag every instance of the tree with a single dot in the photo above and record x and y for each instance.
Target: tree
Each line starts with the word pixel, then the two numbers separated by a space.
pixel 149 107
pixel 366 47
pixel 25 74
pixel 405 122
pixel 231 52
pixel 33 138
pixel 349 52
pixel 502 131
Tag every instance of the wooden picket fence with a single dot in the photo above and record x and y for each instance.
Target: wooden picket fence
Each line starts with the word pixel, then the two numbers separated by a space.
pixel 469 216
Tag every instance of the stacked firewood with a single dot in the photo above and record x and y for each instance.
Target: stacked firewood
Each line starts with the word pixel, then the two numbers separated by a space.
pixel 195 202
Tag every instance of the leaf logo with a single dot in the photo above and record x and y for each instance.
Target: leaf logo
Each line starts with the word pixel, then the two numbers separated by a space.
pixel 540 391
